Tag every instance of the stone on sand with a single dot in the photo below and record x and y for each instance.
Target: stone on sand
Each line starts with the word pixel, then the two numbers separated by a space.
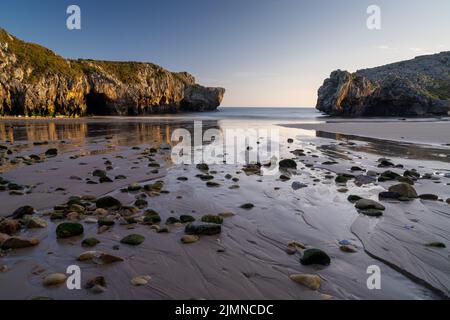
pixel 54 279
pixel 9 226
pixel 69 229
pixel 19 243
pixel 140 280
pixel 404 190
pixel 203 229
pixel 310 281
pixel 364 204
pixel 189 238
pixel 315 256
pixel 133 239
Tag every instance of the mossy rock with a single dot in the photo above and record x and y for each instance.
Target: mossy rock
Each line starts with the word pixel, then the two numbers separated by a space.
pixel 134 187
pixel 90 242
pixel 152 219
pixel 108 202
pixel 172 220
pixel 141 203
pixel 105 222
pixel 133 239
pixel 315 256
pixel 186 218
pixel 288 164
pixel 341 179
pixel 212 219
pixel 157 186
pixel 69 229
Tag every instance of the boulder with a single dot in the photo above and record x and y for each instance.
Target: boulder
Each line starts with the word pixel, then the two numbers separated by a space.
pixel 404 190
pixel 315 256
pixel 69 229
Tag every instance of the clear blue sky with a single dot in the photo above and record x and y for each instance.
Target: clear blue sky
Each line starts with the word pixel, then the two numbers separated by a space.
pixel 264 52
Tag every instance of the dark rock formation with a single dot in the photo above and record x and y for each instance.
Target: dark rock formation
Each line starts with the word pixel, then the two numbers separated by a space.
pixel 417 87
pixel 34 81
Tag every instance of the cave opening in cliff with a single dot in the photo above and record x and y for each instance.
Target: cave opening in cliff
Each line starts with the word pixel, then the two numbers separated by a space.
pixel 96 104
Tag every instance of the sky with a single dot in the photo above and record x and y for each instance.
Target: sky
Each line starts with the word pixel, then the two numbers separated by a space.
pixel 266 53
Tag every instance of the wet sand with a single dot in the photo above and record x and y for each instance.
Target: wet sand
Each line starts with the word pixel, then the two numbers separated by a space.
pixel 248 259
pixel 433 132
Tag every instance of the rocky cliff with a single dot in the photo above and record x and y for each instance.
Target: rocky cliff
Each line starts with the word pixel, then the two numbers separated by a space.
pixel 417 87
pixel 34 81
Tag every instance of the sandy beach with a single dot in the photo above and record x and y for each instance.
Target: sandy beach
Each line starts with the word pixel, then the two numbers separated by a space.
pixel 259 246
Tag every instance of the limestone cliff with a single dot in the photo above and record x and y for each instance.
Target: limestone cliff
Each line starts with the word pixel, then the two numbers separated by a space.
pixel 34 81
pixel 417 87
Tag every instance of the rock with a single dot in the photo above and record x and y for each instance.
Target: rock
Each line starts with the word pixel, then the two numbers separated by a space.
pixel 96 285
pixel 212 184
pixel 99 173
pixel 226 214
pixel 140 280
pixel 202 167
pixel 388 196
pixel 9 226
pixel 371 212
pixel 172 220
pixel 431 197
pixel 54 279
pixel 133 239
pixel 203 229
pixel 296 244
pixel 3 238
pixel 19 243
pixel 22 211
pixel 405 180
pixel 34 222
pixel 90 242
pixel 298 185
pixel 247 206
pixel 90 220
pixel 391 90
pixel 186 218
pixel 87 256
pixel 341 179
pixel 353 198
pixel 315 256
pixel 404 190
pixel 388 176
pixel 105 179
pixel 212 219
pixel 448 200
pixel 108 203
pixel 310 281
pixel 364 204
pixel 134 187
pixel 436 245
pixel 411 174
pixel 69 229
pixel 104 258
pixel 288 164
pixel 51 152
pixel 363 180
pixel 77 208
pixel 348 248
pixel 189 238
pixel 100 212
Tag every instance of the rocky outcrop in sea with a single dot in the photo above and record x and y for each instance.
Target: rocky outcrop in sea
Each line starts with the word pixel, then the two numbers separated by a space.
pixel 34 81
pixel 417 87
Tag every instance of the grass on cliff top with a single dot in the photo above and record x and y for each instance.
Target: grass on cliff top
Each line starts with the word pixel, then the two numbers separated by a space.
pixel 126 72
pixel 41 60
